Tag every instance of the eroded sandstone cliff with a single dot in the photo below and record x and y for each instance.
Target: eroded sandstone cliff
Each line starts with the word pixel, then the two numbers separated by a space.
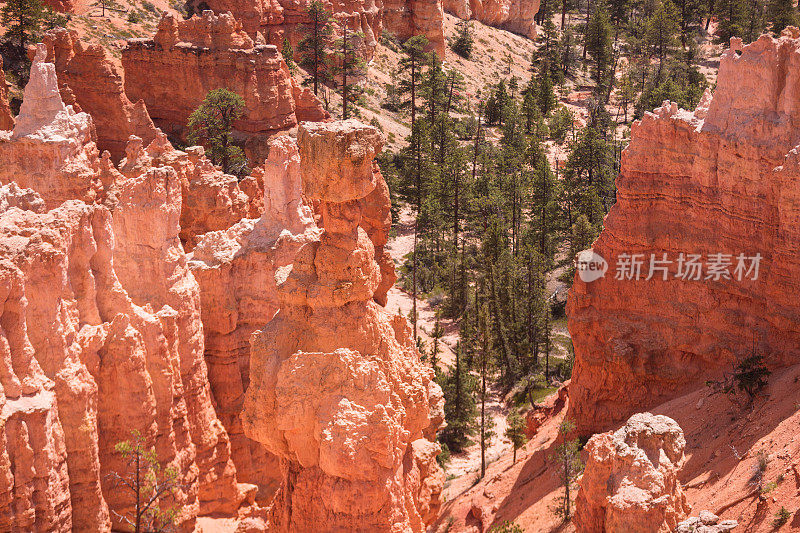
pixel 235 269
pixel 100 332
pixel 173 72
pixel 512 15
pixel 720 180
pixel 89 81
pixel 279 19
pixel 337 389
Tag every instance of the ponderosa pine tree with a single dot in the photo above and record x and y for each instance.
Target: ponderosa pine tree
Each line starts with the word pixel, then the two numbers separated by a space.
pixel 781 13
pixel 600 45
pixel 410 69
pixel 22 19
pixel 287 51
pixel 314 47
pixel 348 67
pixel 662 30
pixel 211 125
pixel 463 43
pixel 568 458
pixel 459 407
pixel 515 432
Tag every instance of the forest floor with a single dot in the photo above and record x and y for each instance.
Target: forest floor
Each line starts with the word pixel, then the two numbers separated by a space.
pixel 468 461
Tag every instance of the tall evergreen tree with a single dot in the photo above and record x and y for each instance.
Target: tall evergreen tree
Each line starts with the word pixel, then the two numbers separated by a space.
pixel 781 13
pixel 22 19
pixel 211 125
pixel 460 409
pixel 348 66
pixel 313 48
pixel 662 29
pixel 463 43
pixel 599 43
pixel 411 68
pixel 515 431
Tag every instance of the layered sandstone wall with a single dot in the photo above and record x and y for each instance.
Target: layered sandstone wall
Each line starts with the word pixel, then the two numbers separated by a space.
pixel 89 81
pixel 512 15
pixel 173 72
pixel 720 180
pixel 337 389
pixel 277 20
pixel 100 333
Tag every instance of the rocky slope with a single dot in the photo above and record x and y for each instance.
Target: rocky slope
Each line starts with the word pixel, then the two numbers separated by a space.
pixel 720 180
pixel 337 389
pixel 173 72
pixel 512 15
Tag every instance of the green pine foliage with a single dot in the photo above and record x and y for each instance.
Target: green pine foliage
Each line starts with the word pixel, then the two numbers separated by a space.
pixel 567 457
pixel 463 43
pixel 781 13
pixel 515 432
pixel 211 125
pixel 348 67
pixel 23 19
pixel 314 48
pixel 148 487
pixel 460 410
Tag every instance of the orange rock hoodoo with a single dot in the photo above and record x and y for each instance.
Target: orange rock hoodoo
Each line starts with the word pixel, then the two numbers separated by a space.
pixel 512 15
pixel 630 483
pixel 337 389
pixel 236 271
pixel 724 179
pixel 186 59
pixel 100 331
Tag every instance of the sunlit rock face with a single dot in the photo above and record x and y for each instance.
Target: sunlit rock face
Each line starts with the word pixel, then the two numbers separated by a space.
pixel 100 330
pixel 720 180
pixel 276 20
pixel 630 482
pixel 173 72
pixel 337 389
pixel 512 15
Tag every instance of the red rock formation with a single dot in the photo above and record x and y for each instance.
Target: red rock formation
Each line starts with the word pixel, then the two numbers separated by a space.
pixel 6 118
pixel 720 180
pixel 406 18
pixel 212 200
pixel 512 15
pixel 88 77
pixel 630 483
pixel 186 59
pixel 50 149
pixel 236 272
pixel 100 333
pixel 337 389
pixel 279 19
